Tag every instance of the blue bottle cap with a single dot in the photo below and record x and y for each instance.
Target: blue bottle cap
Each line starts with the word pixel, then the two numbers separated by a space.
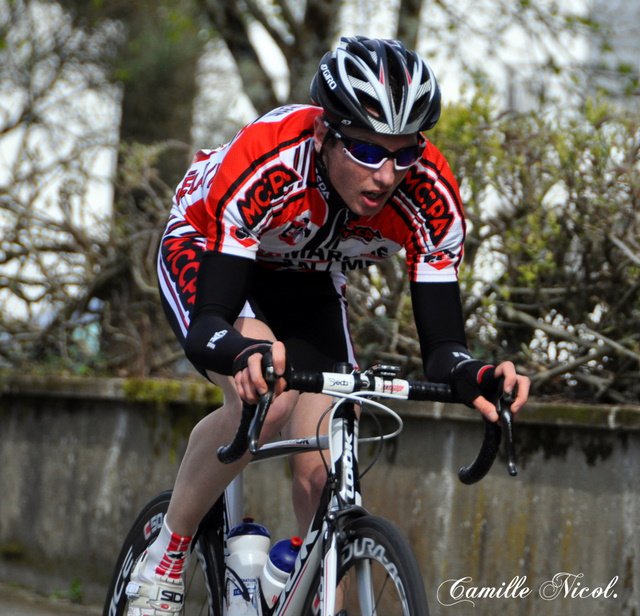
pixel 249 527
pixel 283 554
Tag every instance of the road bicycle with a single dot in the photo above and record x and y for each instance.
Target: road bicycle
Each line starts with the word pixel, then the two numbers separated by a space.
pixel 350 562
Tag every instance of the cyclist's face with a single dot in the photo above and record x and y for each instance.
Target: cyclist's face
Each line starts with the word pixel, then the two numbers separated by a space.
pixel 364 189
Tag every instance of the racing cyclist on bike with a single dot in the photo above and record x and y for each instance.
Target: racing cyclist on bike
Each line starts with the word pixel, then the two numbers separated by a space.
pixel 254 255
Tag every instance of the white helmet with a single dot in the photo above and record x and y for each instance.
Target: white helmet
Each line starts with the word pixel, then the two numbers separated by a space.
pixel 377 84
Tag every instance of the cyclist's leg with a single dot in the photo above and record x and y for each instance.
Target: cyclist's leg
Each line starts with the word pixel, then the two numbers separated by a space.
pixel 312 322
pixel 308 470
pixel 202 577
pixel 156 582
pixel 200 481
pixel 202 477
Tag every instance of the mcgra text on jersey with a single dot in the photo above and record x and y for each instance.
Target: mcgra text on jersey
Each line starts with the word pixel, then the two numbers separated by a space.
pixel 272 185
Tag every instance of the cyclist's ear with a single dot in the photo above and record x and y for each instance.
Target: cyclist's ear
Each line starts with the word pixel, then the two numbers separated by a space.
pixel 320 133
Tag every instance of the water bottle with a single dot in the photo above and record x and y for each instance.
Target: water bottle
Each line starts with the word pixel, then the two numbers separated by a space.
pixel 248 547
pixel 277 569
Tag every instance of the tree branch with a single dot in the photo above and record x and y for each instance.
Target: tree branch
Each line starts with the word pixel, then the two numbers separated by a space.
pixel 409 22
pixel 635 259
pixel 228 21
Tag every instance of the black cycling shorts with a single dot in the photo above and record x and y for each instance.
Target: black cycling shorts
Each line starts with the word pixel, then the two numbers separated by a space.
pixel 307 311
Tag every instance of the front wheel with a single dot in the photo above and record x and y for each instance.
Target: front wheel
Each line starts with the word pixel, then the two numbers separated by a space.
pixel 203 580
pixel 378 573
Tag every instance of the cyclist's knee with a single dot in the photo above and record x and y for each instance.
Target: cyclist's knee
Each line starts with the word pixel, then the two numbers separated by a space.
pixel 277 417
pixel 227 387
pixel 224 419
pixel 309 477
pixel 279 413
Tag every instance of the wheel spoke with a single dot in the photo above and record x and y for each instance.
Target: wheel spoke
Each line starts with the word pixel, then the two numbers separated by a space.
pixel 378 574
pixel 202 577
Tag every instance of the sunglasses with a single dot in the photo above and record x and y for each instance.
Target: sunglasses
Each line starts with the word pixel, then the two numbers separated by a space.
pixel 374 156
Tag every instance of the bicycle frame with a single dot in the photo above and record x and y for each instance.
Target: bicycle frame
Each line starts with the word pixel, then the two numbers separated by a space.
pixel 319 550
pixel 341 529
pixel 341 501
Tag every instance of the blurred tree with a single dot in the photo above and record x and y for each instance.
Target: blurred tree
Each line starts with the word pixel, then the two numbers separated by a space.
pixel 551 268
pixel 54 125
pixel 155 65
pixel 302 33
pixel 547 252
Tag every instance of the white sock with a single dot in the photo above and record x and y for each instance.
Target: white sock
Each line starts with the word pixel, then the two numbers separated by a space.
pixel 167 555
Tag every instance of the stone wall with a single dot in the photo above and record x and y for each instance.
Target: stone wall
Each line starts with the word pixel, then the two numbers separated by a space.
pixel 79 457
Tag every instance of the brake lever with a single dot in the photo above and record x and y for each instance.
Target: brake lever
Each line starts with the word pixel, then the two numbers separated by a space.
pixel 506 418
pixel 264 403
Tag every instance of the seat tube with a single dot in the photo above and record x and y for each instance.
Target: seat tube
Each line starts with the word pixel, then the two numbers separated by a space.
pixel 234 505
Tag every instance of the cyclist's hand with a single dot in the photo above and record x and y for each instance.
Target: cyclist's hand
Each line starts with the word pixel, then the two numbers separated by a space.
pixel 514 382
pixel 249 379
pixel 474 382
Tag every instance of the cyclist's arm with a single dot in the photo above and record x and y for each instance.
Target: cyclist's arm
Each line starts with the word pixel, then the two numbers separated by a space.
pixel 222 288
pixel 446 358
pixel 438 314
pixel 440 323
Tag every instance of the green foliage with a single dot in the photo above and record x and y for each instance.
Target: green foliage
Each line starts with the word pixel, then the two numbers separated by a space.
pixel 552 257
pixel 551 276
pixel 566 224
pixel 74 594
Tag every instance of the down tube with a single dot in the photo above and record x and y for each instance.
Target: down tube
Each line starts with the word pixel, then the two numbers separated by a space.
pixel 299 585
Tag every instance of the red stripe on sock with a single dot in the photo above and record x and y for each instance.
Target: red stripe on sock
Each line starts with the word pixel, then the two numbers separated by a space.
pixel 172 562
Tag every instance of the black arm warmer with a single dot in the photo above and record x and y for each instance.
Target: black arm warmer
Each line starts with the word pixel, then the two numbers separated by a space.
pixel 222 288
pixel 440 323
pixel 223 285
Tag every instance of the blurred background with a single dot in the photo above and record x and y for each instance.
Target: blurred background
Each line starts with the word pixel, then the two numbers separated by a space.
pixel 103 104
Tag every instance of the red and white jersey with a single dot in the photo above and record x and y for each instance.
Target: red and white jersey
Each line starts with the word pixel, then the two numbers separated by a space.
pixel 262 197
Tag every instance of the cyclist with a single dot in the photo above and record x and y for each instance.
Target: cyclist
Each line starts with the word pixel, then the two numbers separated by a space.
pixel 253 259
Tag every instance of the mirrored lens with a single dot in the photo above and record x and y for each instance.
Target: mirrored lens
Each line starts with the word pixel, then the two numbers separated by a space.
pixel 368 152
pixel 375 155
pixel 408 156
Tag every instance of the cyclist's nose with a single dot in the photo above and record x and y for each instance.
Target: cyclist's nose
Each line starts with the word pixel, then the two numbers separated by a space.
pixel 386 175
